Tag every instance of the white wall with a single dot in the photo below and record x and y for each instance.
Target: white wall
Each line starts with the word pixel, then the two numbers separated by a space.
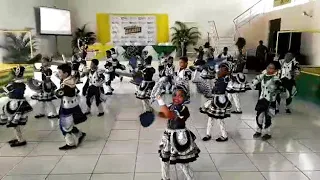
pixel 291 19
pixel 200 11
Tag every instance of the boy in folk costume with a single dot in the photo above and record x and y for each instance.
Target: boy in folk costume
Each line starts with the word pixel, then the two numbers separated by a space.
pixel 289 71
pixel 14 112
pixel 183 76
pixel 46 93
pixel 70 113
pixel 218 107
pixel 145 87
pixel 116 63
pixel 178 142
pixel 169 73
pixel 270 84
pixel 94 87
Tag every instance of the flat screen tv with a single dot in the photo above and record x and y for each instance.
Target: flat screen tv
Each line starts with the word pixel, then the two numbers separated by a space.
pixel 53 21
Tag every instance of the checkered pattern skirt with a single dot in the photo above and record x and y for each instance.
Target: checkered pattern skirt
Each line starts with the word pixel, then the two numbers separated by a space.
pixel 219 107
pixel 238 83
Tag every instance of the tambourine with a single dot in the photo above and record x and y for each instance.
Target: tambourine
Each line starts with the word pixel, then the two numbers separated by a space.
pixel 147 118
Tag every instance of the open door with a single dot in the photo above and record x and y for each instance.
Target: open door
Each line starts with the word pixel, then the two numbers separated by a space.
pixel 274 28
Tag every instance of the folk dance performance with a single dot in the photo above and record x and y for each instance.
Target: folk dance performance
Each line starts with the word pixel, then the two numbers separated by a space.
pixel 14 112
pixel 70 113
pixel 178 142
pixel 218 106
pixel 270 86
pixel 93 88
pixel 45 91
pixel 289 71
pixel 168 73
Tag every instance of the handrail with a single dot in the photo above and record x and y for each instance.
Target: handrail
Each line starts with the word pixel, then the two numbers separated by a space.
pixel 215 28
pixel 247 10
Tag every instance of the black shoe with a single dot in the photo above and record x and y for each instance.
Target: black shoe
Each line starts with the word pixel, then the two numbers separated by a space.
pixel 236 112
pixel 87 113
pixel 112 89
pixel 39 116
pixel 81 138
pixel 100 114
pixel 257 135
pixel 266 137
pixel 17 143
pixel 108 93
pixel 277 111
pixel 206 138
pixel 170 92
pixel 53 117
pixel 13 141
pixel 121 79
pixel 222 139
pixel 67 147
pixel 10 124
pixel 288 111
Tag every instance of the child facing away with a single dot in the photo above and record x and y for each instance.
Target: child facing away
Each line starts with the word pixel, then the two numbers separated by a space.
pixel 14 112
pixel 178 142
pixel 70 113
pixel 270 84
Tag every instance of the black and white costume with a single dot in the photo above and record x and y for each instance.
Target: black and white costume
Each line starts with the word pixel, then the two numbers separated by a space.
pixel 266 105
pixel 289 70
pixel 46 94
pixel 70 113
pixel 182 78
pixel 14 112
pixel 178 144
pixel 237 84
pixel 111 65
pixel 168 72
pixel 93 89
pixel 146 86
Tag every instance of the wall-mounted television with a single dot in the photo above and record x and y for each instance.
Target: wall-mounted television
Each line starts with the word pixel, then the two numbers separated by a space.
pixel 53 21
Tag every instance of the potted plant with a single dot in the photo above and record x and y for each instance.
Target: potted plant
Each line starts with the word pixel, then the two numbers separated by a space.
pixel 183 36
pixel 18 47
pixel 82 33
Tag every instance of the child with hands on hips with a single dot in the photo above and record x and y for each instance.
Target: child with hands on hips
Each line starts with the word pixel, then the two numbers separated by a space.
pixel 177 145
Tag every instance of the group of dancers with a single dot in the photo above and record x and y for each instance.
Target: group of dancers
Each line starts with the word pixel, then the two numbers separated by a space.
pixel 221 85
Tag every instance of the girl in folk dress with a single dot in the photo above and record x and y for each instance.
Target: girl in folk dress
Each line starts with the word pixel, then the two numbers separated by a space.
pixel 177 144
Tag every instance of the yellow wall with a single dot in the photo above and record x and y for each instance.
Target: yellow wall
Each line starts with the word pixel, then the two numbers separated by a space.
pixel 103 26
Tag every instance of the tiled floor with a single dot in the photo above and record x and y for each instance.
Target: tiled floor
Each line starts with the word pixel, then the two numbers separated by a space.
pixel 118 148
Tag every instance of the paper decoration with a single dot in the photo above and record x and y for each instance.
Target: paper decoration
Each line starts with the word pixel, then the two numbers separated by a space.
pixel 133 30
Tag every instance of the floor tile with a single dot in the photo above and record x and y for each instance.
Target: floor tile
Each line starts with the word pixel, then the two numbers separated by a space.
pixel 255 146
pixel 284 175
pixel 41 165
pixel 47 149
pixel 128 116
pixel 241 175
pixel 233 162
pixel 271 162
pixel 116 164
pixel 148 147
pixel 201 175
pixel 203 164
pixel 69 177
pixel 151 134
pixel 314 145
pixel 121 147
pixel 242 134
pixel 312 175
pixel 148 163
pixel 26 177
pixel 148 176
pixel 128 176
pixel 226 147
pixel 88 148
pixel 304 161
pixel 124 135
pixel 76 164
pixel 125 125
pixel 54 136
pixel 6 150
pixel 8 163
pixel 288 146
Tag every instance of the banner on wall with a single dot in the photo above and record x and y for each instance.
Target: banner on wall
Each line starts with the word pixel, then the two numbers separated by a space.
pixel 280 2
pixel 133 30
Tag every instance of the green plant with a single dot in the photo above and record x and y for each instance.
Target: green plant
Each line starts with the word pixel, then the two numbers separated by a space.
pixel 82 33
pixel 19 48
pixel 183 36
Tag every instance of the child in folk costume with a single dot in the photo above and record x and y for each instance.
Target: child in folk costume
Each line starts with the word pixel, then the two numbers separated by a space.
pixel 145 87
pixel 270 84
pixel 70 113
pixel 46 93
pixel 183 76
pixel 111 66
pixel 218 107
pixel 289 71
pixel 178 143
pixel 237 84
pixel 169 73
pixel 14 112
pixel 94 87
pixel 116 63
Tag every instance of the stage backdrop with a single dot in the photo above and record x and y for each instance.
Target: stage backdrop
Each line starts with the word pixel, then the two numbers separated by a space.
pixel 122 29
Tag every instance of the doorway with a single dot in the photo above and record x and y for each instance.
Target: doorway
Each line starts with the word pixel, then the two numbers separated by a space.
pixel 274 27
